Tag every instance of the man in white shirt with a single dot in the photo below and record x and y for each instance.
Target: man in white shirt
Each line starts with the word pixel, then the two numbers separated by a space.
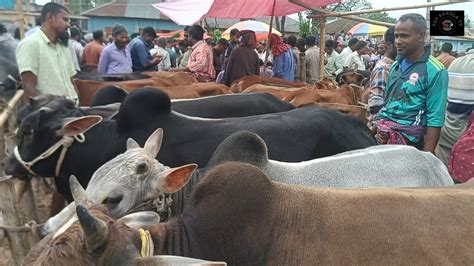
pixel 78 48
pixel 261 53
pixel 165 63
pixel 348 50
pixel 354 60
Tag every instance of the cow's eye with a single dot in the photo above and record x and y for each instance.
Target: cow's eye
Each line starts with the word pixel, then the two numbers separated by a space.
pixel 28 132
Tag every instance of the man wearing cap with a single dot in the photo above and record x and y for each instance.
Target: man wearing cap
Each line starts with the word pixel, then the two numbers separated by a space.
pixel 116 57
pixel 43 58
pixel 140 51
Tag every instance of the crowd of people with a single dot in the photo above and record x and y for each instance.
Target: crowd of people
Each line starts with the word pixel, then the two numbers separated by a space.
pixel 415 98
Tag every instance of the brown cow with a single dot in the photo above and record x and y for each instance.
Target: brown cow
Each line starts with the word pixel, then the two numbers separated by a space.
pixel 346 94
pixel 241 84
pixel 238 215
pixel 88 88
pixel 354 110
pixel 175 78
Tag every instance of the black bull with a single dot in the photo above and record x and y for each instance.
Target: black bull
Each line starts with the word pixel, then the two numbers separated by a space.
pixel 293 136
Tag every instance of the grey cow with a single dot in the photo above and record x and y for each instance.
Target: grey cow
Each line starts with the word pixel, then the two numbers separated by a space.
pixel 130 182
pixel 376 166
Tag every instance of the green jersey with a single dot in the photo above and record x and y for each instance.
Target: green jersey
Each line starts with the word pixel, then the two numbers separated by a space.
pixel 416 95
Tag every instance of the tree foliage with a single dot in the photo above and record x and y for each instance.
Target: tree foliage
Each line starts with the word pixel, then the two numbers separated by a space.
pixel 305 26
pixel 351 5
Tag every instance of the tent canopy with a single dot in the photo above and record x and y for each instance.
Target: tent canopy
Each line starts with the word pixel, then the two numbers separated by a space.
pixel 188 12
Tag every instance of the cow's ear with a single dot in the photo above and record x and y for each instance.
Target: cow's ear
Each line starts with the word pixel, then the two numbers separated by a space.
pixel 139 220
pixel 153 143
pixel 174 179
pixel 78 125
pixel 132 144
pixel 105 111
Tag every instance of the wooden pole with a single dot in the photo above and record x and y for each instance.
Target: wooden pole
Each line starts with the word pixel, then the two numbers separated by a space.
pixel 267 47
pixel 18 241
pixel 322 40
pixel 378 10
pixel 356 18
pixel 9 108
pixel 21 18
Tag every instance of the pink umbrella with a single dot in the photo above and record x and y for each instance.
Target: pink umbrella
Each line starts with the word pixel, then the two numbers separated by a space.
pixel 188 12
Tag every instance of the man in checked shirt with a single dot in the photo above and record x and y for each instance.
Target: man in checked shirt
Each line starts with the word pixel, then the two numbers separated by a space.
pixel 379 76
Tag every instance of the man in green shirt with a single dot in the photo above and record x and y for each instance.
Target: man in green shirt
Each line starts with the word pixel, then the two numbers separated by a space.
pixel 334 65
pixel 44 59
pixel 184 58
pixel 416 91
pixel 46 66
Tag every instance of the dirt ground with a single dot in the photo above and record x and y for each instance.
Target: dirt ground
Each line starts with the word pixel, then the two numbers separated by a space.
pixel 43 201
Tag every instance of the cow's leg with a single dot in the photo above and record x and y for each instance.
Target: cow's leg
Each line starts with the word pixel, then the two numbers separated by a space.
pixel 57 203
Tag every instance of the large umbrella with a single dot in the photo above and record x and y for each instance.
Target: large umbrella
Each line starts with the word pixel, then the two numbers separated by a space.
pixel 261 29
pixel 188 12
pixel 364 29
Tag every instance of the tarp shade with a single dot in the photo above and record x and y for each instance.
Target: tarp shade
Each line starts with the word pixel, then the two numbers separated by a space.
pixel 188 12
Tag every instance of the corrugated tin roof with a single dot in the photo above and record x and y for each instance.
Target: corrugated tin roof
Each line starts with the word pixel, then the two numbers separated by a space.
pixel 127 9
pixel 340 24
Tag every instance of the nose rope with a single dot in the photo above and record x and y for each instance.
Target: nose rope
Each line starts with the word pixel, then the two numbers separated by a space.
pixel 63 143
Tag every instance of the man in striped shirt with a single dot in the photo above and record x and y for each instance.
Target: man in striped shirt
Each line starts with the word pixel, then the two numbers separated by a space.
pixel 379 76
pixel 460 103
pixel 416 91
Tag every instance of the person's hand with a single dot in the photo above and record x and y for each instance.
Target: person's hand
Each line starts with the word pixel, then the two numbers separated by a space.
pixel 156 60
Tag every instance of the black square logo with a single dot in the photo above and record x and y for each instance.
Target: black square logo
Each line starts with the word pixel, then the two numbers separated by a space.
pixel 447 22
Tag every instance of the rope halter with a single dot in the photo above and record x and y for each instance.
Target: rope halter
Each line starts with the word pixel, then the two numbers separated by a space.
pixel 63 143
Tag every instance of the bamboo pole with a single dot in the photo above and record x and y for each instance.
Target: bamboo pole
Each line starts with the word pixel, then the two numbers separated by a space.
pixel 356 18
pixel 322 40
pixel 21 18
pixel 377 10
pixel 18 241
pixel 10 107
pixel 267 47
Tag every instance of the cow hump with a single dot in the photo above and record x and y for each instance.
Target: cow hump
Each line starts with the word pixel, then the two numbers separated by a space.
pixel 141 107
pixel 242 146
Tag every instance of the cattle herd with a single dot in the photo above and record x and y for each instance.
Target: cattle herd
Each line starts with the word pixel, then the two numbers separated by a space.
pixel 159 169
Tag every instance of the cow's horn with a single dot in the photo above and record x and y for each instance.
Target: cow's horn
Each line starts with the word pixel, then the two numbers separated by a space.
pixel 95 230
pixel 78 192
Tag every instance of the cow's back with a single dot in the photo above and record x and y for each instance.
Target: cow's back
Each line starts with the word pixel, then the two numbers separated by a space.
pixel 232 105
pixel 297 135
pixel 271 223
pixel 376 166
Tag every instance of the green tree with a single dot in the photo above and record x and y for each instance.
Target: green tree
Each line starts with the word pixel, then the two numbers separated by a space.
pixel 352 5
pixel 305 26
